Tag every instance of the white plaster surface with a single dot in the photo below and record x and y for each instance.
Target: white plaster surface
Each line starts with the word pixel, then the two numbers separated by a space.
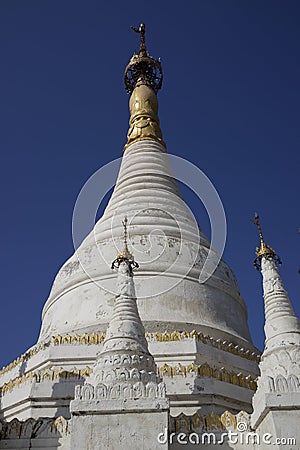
pixel 166 242
pixel 133 430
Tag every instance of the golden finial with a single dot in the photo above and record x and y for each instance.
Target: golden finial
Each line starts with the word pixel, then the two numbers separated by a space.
pixel 125 255
pixel 142 68
pixel 264 249
pixel 143 78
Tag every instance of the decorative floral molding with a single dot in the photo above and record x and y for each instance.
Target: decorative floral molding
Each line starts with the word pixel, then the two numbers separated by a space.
pixel 205 370
pixel 31 428
pixel 33 351
pixel 89 339
pixel 211 422
pixel 224 345
pixel 45 375
pixel 122 390
pixel 96 338
pixel 282 384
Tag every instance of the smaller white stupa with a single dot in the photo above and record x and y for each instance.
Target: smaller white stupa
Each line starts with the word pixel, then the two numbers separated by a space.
pixel 123 404
pixel 276 403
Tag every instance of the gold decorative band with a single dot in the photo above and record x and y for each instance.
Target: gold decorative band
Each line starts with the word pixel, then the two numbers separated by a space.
pixel 205 370
pixel 167 336
pixel 97 338
pixel 210 422
pixel 46 375
pixel 182 423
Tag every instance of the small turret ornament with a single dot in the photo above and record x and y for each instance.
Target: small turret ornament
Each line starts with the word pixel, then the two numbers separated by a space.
pixel 142 68
pixel 143 78
pixel 264 250
pixel 125 255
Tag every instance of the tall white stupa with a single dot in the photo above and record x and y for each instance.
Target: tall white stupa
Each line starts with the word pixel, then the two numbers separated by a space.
pixel 195 334
pixel 276 402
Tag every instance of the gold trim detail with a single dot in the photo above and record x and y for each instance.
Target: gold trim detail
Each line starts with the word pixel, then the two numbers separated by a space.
pixel 44 428
pixel 98 338
pixel 144 122
pixel 166 336
pixel 210 422
pixel 33 351
pixel 181 423
pixel 203 370
pixel 46 375
pixel 264 249
pixel 207 371
pixel 223 345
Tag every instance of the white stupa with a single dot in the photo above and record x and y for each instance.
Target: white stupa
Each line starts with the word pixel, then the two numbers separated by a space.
pixel 195 335
pixel 124 401
pixel 276 402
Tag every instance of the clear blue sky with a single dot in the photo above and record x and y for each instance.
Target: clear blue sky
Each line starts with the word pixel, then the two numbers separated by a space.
pixel 230 104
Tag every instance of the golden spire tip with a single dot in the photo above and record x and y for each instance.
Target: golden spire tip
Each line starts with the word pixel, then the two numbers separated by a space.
pixel 143 79
pixel 264 249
